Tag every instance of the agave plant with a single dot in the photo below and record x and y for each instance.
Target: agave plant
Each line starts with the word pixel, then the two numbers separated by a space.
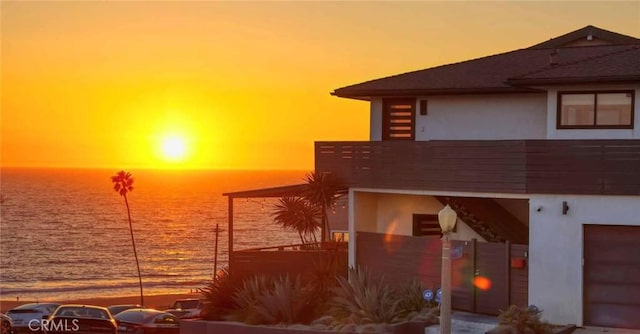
pixel 411 300
pixel 247 297
pixel 288 303
pixel 364 299
pixel 219 294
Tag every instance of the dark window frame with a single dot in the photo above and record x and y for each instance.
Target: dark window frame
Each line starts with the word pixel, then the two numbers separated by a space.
pixel 432 222
pixel 386 119
pixel 595 93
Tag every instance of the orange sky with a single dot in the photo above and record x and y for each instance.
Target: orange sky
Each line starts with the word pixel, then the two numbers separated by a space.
pixel 245 85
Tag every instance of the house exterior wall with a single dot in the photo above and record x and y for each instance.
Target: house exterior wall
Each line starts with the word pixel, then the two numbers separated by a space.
pixel 483 117
pixel 556 248
pixel 392 214
pixel 520 116
pixel 473 117
pixel 552 107
pixel 375 122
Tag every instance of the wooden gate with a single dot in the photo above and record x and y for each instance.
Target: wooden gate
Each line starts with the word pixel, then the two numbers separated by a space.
pixel 486 277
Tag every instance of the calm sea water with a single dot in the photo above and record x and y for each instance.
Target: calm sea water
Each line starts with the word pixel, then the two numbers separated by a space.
pixel 64 232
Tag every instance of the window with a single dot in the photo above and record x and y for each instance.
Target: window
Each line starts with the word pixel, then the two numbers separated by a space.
pixel 398 119
pixel 424 224
pixel 340 236
pixel 604 110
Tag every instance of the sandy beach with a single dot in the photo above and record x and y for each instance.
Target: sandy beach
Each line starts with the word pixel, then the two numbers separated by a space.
pixel 154 301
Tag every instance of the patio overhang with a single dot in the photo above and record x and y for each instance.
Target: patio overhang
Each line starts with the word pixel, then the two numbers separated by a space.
pixel 294 190
pixel 281 191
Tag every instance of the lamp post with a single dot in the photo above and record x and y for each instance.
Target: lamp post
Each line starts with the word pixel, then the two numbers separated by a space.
pixel 447 219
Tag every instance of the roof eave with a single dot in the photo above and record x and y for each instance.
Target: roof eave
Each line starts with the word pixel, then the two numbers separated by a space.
pixel 367 94
pixel 575 80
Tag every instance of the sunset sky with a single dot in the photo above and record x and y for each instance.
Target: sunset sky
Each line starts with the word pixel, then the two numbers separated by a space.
pixel 234 85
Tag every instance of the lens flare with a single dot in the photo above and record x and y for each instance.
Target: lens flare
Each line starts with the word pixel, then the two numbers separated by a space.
pixel 482 283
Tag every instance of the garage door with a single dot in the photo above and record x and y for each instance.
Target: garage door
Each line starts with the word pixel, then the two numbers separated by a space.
pixel 612 276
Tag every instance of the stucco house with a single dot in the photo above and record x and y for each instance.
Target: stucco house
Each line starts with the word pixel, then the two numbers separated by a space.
pixel 536 148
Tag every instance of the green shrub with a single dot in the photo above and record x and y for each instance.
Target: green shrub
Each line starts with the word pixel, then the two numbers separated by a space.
pixel 364 299
pixel 524 320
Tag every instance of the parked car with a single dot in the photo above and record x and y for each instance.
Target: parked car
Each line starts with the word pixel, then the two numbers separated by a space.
pixel 32 313
pixel 6 324
pixel 147 321
pixel 187 308
pixel 115 309
pixel 80 319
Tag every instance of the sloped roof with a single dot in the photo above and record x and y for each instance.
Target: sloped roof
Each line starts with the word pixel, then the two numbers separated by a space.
pixel 492 74
pixel 621 65
pixel 596 33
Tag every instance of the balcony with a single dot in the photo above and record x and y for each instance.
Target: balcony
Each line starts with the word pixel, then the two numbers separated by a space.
pixel 588 167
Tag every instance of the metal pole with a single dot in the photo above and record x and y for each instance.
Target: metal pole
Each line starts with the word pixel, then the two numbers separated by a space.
pixel 230 232
pixel 215 257
pixel 445 303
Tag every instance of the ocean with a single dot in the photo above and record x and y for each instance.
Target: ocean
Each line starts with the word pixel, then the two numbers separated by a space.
pixel 64 233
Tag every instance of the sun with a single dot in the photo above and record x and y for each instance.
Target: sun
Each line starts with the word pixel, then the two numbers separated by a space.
pixel 174 149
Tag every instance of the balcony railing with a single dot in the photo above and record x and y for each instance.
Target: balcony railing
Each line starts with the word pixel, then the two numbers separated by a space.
pixel 609 167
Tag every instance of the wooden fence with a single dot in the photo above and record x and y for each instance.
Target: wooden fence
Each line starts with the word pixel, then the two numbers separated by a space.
pixel 486 277
pixel 303 263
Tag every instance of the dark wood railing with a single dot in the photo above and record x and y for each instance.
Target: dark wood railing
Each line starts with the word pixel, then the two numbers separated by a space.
pixel 503 166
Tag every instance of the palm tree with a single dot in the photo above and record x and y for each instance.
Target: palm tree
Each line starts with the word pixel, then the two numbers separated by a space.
pixel 122 184
pixel 295 213
pixel 322 192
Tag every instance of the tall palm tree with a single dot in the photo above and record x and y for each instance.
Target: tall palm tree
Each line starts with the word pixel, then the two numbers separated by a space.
pixel 322 191
pixel 295 213
pixel 122 184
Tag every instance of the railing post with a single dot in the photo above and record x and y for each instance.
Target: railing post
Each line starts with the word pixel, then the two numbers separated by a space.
pixel 508 264
pixel 474 270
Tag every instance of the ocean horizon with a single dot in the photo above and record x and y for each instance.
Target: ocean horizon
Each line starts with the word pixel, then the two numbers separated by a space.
pixel 64 232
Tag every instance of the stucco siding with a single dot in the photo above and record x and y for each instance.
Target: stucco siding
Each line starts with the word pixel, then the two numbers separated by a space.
pixel 375 121
pixel 497 117
pixel 556 248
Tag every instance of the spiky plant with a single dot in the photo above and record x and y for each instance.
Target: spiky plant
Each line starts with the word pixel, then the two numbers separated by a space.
pixel 122 184
pixel 364 299
pixel 323 279
pixel 247 297
pixel 411 300
pixel 288 303
pixel 219 294
pixel 524 320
